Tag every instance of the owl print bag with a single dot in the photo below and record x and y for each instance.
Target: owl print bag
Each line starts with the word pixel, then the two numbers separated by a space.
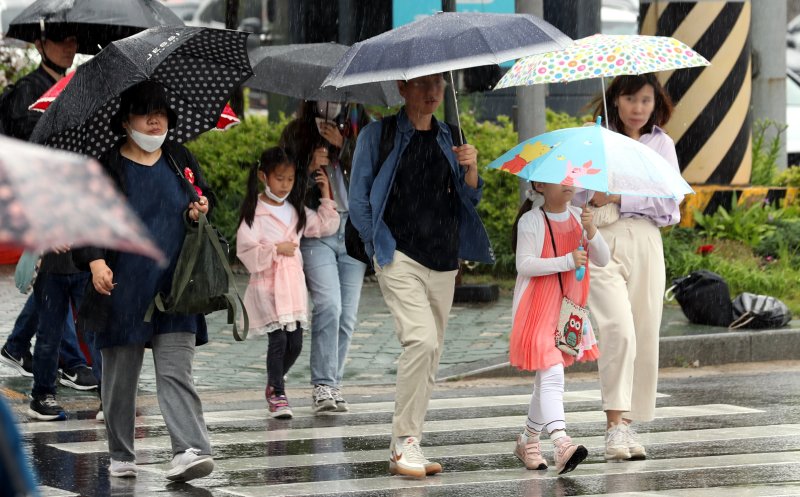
pixel 573 320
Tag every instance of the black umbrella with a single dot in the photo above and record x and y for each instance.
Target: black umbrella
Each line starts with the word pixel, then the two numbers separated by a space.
pixel 98 22
pixel 199 67
pixel 298 71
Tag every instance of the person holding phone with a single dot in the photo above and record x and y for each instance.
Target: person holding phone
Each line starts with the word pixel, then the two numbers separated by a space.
pixel 321 141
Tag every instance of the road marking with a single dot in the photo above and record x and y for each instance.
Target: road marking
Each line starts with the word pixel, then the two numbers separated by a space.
pixel 521 474
pixel 774 490
pixel 594 444
pixel 220 417
pixel 385 429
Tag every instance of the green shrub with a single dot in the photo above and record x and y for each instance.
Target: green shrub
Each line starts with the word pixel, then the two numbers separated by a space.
pixel 789 177
pixel 745 223
pixel 766 152
pixel 786 236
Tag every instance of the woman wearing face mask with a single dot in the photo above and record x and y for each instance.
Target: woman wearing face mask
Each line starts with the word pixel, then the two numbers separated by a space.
pixel 323 137
pixel 124 285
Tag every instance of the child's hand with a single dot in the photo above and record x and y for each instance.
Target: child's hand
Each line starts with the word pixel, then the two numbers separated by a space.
pixel 579 256
pixel 286 248
pixel 323 183
pixel 587 220
pixel 319 159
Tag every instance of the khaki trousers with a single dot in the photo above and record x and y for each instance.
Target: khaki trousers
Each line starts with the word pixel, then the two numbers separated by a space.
pixel 626 300
pixel 420 300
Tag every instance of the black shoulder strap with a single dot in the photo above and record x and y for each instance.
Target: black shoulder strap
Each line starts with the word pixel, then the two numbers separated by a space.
pixel 388 132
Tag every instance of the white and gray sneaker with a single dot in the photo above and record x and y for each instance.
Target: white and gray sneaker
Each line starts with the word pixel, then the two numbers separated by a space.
pixel 341 404
pixel 617 443
pixel 406 458
pixel 189 465
pixel 123 469
pixel 634 446
pixel 322 399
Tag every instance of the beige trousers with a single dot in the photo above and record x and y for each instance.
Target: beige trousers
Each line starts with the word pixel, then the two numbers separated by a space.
pixel 420 300
pixel 626 300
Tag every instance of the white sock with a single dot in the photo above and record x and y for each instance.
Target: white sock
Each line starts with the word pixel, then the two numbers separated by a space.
pixel 529 434
pixel 555 435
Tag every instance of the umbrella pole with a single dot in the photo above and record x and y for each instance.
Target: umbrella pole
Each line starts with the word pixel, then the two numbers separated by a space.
pixel 456 139
pixel 605 105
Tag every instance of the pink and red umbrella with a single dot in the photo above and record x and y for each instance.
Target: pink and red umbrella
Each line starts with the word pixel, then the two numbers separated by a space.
pixel 227 119
pixel 51 198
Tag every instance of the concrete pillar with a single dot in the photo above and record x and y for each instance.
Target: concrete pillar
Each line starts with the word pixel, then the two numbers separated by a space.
pixel 529 115
pixel 711 124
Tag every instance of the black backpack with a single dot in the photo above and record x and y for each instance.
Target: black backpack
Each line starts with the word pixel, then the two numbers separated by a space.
pixel 759 312
pixel 352 240
pixel 704 298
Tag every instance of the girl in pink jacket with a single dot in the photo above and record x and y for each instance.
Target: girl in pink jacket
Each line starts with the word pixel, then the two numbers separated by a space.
pixel 270 227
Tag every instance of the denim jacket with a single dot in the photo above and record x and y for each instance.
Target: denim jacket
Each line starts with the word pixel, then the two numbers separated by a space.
pixel 368 194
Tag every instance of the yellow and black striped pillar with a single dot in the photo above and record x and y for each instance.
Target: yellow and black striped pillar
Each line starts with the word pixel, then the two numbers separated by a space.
pixel 711 124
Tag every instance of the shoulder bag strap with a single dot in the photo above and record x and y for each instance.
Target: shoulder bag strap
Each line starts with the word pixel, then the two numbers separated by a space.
pixel 555 252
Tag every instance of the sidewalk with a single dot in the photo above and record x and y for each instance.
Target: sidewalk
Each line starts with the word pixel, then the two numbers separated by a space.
pixel 475 345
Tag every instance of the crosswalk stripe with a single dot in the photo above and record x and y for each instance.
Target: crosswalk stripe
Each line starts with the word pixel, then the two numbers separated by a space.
pixel 773 490
pixel 219 417
pixel 46 491
pixel 385 429
pixel 594 444
pixel 521 474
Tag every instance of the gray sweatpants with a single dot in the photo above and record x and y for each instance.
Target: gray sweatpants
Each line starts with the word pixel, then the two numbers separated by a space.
pixel 177 397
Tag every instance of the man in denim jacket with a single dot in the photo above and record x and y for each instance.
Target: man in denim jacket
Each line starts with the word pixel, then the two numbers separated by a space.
pixel 417 218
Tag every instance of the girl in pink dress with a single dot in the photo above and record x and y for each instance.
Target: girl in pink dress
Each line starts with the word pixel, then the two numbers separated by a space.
pixel 547 235
pixel 270 227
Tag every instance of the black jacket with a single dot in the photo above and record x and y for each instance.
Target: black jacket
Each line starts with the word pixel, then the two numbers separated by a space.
pixel 95 309
pixel 18 121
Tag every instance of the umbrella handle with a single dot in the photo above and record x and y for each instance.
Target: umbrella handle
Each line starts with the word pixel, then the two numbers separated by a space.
pixel 581 271
pixel 457 141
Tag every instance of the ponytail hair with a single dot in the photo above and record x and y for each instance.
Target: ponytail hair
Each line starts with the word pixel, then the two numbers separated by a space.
pixel 533 199
pixel 270 159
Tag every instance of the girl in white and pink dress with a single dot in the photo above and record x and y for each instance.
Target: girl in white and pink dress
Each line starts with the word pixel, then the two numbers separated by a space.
pixel 548 240
pixel 271 225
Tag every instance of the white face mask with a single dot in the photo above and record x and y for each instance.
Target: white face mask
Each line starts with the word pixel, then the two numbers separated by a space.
pixel 274 197
pixel 148 143
pixel 328 110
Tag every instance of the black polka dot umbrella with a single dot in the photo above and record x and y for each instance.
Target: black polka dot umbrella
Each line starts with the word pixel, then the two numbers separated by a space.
pixel 199 67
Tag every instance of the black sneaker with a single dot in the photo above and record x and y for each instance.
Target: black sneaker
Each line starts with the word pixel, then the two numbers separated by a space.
pixel 79 378
pixel 23 365
pixel 45 408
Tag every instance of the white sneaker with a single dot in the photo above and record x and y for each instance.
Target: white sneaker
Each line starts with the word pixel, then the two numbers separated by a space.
pixel 634 446
pixel 190 465
pixel 617 443
pixel 406 459
pixel 123 469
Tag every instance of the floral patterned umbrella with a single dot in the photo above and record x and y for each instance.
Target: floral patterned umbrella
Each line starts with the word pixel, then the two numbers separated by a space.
pixel 603 56
pixel 50 198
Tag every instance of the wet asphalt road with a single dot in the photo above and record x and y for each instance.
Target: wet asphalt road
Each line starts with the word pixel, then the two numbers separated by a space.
pixel 734 433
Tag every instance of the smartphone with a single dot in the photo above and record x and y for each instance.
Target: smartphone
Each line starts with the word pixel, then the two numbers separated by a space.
pixel 321 120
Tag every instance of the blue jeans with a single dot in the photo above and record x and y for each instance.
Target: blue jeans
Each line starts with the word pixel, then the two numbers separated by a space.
pixel 18 342
pixel 53 293
pixel 334 280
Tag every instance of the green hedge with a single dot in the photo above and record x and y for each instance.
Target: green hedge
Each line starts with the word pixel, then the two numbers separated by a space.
pixel 226 156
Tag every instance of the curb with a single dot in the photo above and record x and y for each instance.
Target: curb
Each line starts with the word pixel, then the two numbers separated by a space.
pixel 684 351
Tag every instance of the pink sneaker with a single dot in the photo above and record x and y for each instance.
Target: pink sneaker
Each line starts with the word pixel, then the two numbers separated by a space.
pixel 530 453
pixel 278 404
pixel 567 454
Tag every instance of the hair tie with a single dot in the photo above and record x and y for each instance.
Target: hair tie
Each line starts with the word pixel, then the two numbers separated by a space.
pixel 536 198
